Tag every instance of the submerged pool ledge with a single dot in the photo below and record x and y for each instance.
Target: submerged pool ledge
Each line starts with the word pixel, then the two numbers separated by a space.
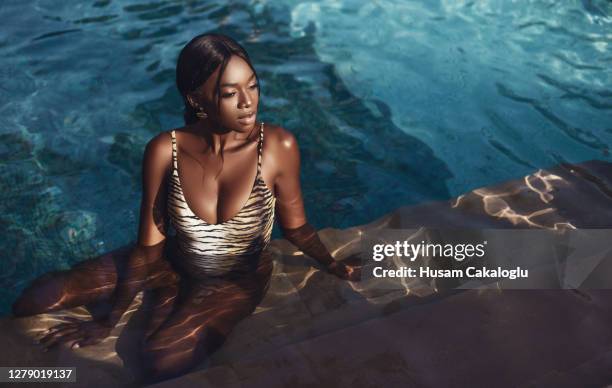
pixel 312 328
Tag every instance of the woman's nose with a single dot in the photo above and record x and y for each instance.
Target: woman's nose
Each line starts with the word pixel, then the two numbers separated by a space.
pixel 246 100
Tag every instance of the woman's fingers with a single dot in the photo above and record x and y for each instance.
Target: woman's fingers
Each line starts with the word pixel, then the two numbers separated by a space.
pixel 352 273
pixel 60 326
pixel 57 331
pixel 72 319
pixel 76 333
pixel 89 341
pixel 71 322
pixel 58 337
pixel 74 337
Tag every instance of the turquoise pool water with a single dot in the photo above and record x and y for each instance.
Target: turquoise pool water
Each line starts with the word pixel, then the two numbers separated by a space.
pixel 393 102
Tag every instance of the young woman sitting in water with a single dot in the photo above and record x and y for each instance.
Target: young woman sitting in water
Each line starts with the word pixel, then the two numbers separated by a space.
pixel 218 185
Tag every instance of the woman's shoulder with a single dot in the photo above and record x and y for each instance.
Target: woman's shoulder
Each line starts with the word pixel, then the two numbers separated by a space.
pixel 281 139
pixel 158 150
pixel 161 143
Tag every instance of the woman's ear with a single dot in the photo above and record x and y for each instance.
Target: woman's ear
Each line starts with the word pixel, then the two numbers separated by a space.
pixel 192 100
pixel 197 99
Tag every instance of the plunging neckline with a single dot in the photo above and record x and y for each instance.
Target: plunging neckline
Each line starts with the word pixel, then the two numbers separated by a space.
pixel 203 220
pixel 178 176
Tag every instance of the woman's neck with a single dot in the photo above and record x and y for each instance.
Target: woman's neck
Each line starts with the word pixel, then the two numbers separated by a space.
pixel 218 138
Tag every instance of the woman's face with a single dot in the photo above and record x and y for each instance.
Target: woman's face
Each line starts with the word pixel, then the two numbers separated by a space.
pixel 239 96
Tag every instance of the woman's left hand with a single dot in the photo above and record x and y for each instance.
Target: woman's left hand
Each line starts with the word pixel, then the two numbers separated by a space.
pixel 345 271
pixel 77 332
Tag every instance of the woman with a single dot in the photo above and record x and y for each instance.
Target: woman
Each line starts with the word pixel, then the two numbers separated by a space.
pixel 197 181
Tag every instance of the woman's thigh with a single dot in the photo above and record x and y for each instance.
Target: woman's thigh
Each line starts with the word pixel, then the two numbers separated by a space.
pixel 205 314
pixel 86 282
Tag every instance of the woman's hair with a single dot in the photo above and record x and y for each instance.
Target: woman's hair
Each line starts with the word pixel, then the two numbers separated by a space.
pixel 199 59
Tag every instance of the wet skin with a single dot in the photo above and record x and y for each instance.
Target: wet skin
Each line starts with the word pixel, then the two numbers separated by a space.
pixel 184 314
pixel 216 189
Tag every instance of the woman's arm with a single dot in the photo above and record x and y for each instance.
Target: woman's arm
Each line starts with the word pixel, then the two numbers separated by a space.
pixel 132 280
pixel 307 240
pixel 147 255
pixel 290 208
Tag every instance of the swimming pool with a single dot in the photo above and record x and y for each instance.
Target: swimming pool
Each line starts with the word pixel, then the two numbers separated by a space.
pixel 393 103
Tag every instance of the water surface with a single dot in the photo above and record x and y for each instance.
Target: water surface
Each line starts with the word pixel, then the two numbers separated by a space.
pixel 393 103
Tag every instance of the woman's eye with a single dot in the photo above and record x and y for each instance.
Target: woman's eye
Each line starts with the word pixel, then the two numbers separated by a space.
pixel 227 95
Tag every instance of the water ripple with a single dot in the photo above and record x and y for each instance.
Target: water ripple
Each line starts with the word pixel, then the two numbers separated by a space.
pixel 56 33
pixel 398 102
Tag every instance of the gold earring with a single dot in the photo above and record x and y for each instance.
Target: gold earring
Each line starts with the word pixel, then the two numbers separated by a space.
pixel 201 114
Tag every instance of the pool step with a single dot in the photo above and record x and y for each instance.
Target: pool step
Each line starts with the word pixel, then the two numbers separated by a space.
pixel 475 338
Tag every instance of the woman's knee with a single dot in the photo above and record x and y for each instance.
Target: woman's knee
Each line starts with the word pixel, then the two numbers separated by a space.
pixel 161 363
pixel 164 357
pixel 41 295
pixel 86 282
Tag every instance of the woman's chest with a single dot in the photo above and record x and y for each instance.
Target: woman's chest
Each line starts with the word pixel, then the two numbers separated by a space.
pixel 216 190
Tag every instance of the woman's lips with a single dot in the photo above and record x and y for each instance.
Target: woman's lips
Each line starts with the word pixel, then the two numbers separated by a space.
pixel 248 119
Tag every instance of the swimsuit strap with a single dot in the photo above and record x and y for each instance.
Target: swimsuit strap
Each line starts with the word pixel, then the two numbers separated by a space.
pixel 174 149
pixel 260 147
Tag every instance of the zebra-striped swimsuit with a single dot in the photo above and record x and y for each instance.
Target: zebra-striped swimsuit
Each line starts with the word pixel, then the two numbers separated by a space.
pixel 232 246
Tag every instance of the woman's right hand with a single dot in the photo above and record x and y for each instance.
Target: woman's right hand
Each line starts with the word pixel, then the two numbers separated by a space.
pixel 77 332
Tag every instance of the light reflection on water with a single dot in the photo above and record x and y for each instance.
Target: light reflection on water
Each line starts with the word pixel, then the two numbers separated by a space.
pixel 393 103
